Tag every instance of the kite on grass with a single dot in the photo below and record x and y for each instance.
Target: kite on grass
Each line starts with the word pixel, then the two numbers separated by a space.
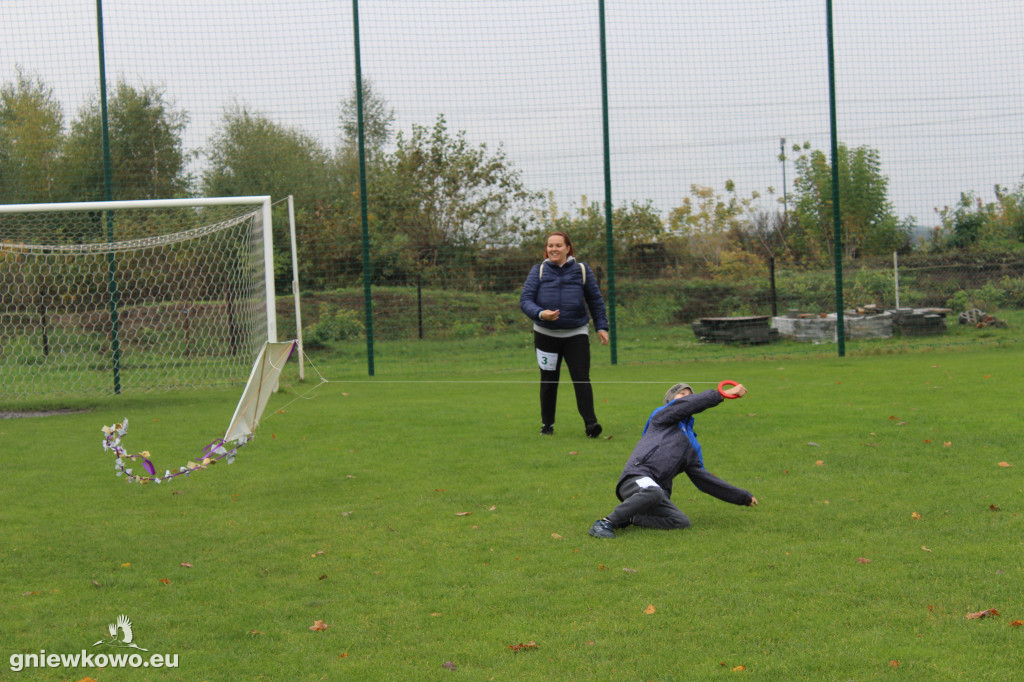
pixel 262 382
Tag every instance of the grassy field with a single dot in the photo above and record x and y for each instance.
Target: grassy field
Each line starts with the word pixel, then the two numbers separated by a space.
pixel 432 530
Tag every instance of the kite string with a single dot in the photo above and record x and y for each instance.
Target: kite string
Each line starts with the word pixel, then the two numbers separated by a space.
pixel 531 382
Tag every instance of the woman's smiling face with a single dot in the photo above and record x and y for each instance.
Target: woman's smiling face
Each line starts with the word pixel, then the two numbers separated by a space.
pixel 556 250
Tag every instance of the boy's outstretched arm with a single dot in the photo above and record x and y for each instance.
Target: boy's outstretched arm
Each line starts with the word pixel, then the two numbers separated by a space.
pixel 712 485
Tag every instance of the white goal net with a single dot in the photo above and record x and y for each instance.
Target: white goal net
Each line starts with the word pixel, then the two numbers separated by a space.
pixel 133 296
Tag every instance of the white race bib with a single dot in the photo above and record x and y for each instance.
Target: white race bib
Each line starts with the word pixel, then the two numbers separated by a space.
pixel 646 482
pixel 547 361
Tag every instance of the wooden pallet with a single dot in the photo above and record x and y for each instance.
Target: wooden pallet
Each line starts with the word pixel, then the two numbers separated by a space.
pixel 742 330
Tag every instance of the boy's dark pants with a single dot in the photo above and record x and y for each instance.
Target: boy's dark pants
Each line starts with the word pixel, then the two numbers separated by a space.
pixel 575 350
pixel 646 507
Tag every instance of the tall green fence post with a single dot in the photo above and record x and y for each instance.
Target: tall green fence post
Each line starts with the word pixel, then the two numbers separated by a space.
pixel 837 224
pixel 608 228
pixel 115 342
pixel 363 212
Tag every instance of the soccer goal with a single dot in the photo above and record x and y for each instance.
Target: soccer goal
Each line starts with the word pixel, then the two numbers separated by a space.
pixel 133 296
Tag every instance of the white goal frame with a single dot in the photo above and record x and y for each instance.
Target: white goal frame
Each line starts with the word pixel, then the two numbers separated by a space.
pixel 264 201
pixel 262 205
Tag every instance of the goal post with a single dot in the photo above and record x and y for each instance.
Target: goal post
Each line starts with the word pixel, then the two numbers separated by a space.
pixel 142 295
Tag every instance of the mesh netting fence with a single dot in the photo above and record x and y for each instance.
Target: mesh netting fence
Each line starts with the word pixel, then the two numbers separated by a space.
pixel 700 186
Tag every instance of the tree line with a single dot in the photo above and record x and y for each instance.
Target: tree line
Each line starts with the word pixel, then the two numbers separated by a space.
pixel 442 210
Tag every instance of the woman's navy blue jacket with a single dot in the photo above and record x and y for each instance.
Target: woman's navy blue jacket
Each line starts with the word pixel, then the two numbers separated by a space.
pixel 562 288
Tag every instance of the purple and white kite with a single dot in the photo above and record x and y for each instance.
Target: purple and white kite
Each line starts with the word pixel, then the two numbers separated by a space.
pixel 262 383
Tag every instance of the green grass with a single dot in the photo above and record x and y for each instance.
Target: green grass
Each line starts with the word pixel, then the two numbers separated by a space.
pixel 374 473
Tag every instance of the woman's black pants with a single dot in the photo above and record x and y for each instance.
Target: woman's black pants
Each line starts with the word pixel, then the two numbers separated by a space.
pixel 575 350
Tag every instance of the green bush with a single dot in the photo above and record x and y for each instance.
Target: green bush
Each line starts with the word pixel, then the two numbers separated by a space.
pixel 340 325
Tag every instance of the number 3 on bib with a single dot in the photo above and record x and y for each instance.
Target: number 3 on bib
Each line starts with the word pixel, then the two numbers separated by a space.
pixel 547 361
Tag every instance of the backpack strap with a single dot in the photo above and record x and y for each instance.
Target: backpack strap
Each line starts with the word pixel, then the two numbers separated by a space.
pixel 583 272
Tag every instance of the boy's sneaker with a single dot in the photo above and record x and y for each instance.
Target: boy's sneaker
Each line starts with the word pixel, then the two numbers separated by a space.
pixel 547 430
pixel 602 528
pixel 593 430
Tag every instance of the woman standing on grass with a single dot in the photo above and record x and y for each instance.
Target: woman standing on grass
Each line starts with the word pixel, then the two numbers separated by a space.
pixel 561 295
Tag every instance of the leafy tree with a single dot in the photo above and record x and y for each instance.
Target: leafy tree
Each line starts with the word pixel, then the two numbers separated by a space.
pixel 635 224
pixel 868 223
pixel 147 156
pixel 31 134
pixel 972 223
pixel 709 223
pixel 378 121
pixel 448 198
pixel 251 155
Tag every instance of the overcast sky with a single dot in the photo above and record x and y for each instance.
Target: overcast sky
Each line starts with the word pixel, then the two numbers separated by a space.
pixel 700 92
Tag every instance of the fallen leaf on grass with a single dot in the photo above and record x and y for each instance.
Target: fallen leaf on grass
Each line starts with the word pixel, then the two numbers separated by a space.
pixel 86 679
pixel 601 567
pixel 992 507
pixel 323 577
pixel 449 665
pixel 255 633
pixel 125 565
pixel 186 564
pixel 947 444
pixel 1016 623
pixel 344 655
pixel 650 609
pixel 493 507
pixel 739 668
pixel 556 536
pixel 463 513
pixel 820 463
pixel 981 614
pixel 95 583
pixel 629 570
pixel 165 581
pixel 318 625
pixel 915 516
pixel 925 548
pixel 317 553
pixel 573 452
pixel 894 664
pixel 519 647
pixel 814 445
pixel 862 560
pixel 1005 464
